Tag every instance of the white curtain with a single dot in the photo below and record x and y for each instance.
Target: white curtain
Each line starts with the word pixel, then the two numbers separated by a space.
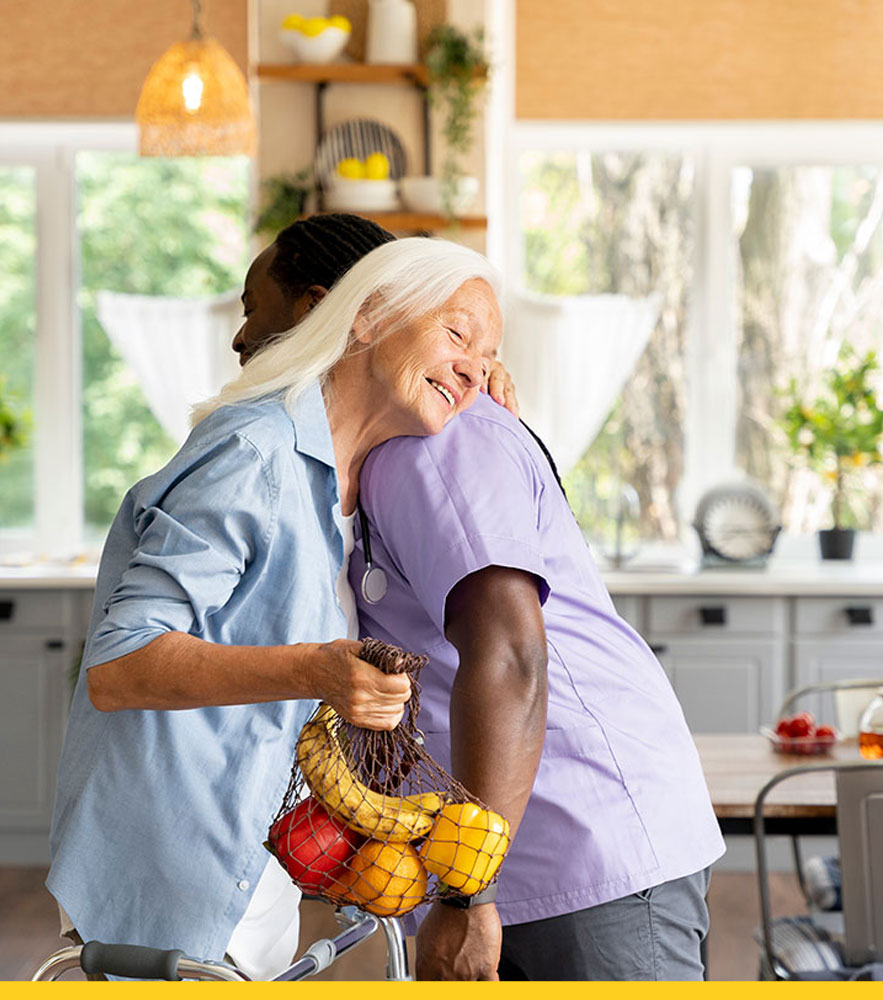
pixel 570 357
pixel 178 349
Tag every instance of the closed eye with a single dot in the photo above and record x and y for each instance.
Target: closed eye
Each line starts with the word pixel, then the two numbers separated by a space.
pixel 455 333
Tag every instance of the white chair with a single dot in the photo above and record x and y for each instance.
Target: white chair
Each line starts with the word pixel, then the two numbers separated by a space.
pixel 845 945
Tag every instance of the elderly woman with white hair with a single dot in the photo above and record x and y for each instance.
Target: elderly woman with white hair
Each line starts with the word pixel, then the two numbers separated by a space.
pixel 219 611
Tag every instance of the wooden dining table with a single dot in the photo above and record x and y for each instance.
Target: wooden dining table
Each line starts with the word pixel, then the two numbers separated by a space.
pixel 738 765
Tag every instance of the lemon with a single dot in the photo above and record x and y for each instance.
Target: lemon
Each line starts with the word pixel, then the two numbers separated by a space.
pixel 351 168
pixel 376 167
pixel 314 26
pixel 292 22
pixel 339 21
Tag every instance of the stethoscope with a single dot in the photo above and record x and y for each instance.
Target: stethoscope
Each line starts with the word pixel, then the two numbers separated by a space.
pixel 374 582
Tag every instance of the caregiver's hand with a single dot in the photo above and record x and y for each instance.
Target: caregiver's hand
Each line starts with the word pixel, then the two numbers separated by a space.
pixel 356 690
pixel 501 387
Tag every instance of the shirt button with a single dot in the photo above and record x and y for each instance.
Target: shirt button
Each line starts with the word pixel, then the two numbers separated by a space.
pixel 243 884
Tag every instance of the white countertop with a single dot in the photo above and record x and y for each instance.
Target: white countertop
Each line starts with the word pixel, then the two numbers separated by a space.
pixel 795 577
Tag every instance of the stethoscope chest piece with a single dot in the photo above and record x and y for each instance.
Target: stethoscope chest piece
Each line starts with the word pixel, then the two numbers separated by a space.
pixel 374 582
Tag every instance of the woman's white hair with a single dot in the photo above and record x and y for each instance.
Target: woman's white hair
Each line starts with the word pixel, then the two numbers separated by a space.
pixel 404 279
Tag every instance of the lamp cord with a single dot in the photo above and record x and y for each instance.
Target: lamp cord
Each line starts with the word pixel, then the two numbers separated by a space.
pixel 196 33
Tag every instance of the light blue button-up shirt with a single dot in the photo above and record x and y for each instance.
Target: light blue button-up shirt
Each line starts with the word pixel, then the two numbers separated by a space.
pixel 619 803
pixel 160 817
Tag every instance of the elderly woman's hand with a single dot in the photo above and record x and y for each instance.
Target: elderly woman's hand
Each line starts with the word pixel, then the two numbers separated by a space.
pixel 356 690
pixel 501 387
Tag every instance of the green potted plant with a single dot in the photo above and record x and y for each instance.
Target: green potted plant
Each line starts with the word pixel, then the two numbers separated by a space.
pixel 838 434
pixel 457 71
pixel 284 200
pixel 13 426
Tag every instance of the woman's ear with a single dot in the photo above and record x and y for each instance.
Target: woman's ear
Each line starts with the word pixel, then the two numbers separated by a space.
pixel 363 324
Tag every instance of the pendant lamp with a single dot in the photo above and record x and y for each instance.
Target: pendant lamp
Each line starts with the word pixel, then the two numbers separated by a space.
pixel 194 101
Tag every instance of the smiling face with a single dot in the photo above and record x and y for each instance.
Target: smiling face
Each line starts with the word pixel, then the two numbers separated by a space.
pixel 432 367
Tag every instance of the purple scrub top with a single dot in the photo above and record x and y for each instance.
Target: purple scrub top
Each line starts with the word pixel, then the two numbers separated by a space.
pixel 620 802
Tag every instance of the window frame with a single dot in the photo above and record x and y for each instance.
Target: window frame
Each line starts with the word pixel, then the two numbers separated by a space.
pixel 716 148
pixel 51 149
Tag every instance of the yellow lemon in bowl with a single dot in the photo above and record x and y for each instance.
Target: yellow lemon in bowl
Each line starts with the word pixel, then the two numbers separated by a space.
pixel 314 26
pixel 376 167
pixel 351 168
pixel 339 21
pixel 293 21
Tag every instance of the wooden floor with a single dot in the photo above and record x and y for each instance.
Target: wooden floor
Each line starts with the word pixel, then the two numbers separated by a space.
pixel 29 927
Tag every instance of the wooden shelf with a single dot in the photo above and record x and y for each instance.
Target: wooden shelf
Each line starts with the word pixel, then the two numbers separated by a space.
pixel 343 73
pixel 414 221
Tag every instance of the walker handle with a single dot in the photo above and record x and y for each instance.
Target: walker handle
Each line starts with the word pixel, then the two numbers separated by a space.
pixel 134 961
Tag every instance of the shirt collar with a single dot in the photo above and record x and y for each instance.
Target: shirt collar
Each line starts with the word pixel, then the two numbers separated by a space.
pixel 312 435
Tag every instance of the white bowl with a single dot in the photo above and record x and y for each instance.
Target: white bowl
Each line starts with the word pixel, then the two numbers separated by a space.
pixel 423 194
pixel 346 195
pixel 321 48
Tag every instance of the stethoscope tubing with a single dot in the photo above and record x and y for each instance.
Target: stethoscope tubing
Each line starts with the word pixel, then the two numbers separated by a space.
pixel 374 583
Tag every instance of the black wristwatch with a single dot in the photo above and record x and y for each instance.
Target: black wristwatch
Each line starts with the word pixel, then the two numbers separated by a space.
pixel 460 902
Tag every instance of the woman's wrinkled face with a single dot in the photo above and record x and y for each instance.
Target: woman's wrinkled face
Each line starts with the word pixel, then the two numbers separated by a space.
pixel 267 309
pixel 433 367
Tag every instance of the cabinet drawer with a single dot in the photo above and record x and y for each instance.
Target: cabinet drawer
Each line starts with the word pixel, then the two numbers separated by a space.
pixel 35 610
pixel 701 615
pixel 841 616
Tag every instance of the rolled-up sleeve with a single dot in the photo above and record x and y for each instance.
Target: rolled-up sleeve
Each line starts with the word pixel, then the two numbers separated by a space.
pixel 447 507
pixel 194 541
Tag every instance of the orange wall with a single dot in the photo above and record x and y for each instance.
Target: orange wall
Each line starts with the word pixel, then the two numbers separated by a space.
pixel 695 59
pixel 88 58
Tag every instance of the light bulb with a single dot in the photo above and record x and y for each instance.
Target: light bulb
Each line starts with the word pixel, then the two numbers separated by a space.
pixel 191 88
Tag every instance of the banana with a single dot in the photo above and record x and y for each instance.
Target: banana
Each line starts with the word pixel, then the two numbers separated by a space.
pixel 382 817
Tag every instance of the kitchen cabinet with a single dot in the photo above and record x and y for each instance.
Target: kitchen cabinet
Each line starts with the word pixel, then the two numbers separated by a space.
pixel 725 657
pixel 732 644
pixel 836 639
pixel 40 638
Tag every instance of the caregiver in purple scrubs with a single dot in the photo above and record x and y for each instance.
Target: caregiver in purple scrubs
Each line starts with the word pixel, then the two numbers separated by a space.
pixel 544 703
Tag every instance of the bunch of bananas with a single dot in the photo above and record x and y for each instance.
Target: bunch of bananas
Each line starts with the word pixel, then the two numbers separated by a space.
pixel 463 844
pixel 325 769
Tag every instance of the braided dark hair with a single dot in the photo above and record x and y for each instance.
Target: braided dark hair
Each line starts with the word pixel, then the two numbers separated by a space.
pixel 320 249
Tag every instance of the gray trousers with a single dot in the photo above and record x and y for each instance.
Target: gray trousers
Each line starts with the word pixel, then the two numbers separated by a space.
pixel 651 935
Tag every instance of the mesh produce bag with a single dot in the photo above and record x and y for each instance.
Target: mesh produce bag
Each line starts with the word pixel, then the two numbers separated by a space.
pixel 370 819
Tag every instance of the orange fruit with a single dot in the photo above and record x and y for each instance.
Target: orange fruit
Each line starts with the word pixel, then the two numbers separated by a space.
pixel 385 879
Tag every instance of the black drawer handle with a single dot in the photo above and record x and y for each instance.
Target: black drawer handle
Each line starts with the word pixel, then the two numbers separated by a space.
pixel 55 644
pixel 713 616
pixel 659 649
pixel 6 610
pixel 862 615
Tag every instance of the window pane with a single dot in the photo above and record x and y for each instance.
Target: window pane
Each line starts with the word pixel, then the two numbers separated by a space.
pixel 810 252
pixel 17 344
pixel 150 227
pixel 621 223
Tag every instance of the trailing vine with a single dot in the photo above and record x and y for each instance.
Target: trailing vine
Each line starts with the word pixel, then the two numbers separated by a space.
pixel 457 71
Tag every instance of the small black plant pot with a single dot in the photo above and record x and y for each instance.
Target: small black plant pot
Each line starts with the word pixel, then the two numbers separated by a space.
pixel 836 543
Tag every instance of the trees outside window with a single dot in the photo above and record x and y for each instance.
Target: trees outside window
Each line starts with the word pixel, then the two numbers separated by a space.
pixel 81 213
pixel 767 246
pixel 18 245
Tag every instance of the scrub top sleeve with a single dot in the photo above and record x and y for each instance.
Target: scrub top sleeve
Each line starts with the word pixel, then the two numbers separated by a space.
pixel 450 505
pixel 194 542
